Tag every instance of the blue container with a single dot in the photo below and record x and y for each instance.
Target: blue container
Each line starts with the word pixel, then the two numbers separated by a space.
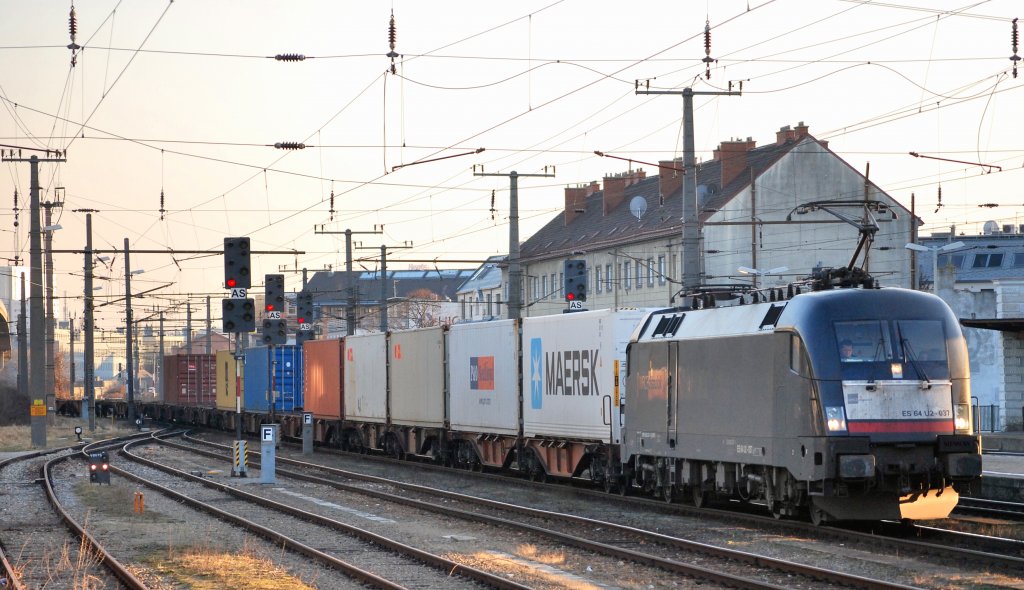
pixel 287 379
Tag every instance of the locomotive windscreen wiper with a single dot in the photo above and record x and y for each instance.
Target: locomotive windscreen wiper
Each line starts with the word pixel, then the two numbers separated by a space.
pixel 908 352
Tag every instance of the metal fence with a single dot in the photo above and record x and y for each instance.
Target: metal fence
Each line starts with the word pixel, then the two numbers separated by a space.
pixel 986 418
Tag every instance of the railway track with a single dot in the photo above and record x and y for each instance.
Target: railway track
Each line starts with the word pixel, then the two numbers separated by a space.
pixel 720 565
pixel 43 545
pixel 364 556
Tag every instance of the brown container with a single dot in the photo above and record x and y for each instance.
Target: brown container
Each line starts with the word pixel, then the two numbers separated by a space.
pixel 322 377
pixel 190 380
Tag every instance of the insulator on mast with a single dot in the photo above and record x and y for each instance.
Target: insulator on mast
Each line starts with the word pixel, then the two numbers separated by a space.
pixel 1014 38
pixel 708 60
pixel 162 210
pixel 392 38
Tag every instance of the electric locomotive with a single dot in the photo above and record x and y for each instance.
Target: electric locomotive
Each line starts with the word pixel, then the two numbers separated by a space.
pixel 838 404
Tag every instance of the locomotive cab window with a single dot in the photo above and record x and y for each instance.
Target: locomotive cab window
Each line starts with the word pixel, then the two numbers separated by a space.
pixel 863 342
pixel 797 356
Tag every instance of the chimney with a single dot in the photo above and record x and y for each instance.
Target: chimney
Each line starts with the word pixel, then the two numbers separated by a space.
pixel 784 134
pixel 733 156
pixel 670 177
pixel 614 192
pixel 800 130
pixel 576 199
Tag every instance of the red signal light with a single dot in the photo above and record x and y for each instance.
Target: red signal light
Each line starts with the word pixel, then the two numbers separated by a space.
pixel 231 283
pixel 302 320
pixel 570 296
pixel 270 307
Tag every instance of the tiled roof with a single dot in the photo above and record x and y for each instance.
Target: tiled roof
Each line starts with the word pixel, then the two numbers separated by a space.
pixel 590 229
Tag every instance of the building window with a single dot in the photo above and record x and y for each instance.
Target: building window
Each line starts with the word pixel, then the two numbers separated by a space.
pixel 988 260
pixel 608 278
pixel 650 272
pixel 560 285
pixel 490 307
pixel 639 274
pixel 627 278
pixel 597 278
pixel 957 260
pixel 497 306
pixel 1018 260
pixel 463 308
pixel 536 288
pixel 661 269
pixel 544 287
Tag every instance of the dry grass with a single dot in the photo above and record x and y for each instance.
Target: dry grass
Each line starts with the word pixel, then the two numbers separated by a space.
pixel 61 433
pixel 202 568
pixel 64 567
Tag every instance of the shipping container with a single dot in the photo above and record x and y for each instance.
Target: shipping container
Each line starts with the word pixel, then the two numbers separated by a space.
pixel 322 377
pixel 190 380
pixel 483 377
pixel 287 391
pixel 365 378
pixel 416 377
pixel 227 384
pixel 574 373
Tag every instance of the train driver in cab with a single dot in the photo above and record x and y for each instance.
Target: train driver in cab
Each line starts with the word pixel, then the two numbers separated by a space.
pixel 846 352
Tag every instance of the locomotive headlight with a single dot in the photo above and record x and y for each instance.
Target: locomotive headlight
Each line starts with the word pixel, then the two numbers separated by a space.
pixel 962 418
pixel 835 418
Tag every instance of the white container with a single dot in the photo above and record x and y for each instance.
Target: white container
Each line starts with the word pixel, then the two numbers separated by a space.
pixel 365 383
pixel 416 375
pixel 574 373
pixel 483 377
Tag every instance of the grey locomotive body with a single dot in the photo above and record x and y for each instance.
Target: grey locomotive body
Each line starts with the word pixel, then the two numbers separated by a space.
pixel 846 403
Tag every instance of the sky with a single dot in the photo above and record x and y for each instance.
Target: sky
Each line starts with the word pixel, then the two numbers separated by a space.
pixel 185 98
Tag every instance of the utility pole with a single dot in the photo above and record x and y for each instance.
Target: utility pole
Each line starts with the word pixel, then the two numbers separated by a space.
pixel 36 383
pixel 515 287
pixel 128 333
pixel 51 344
pixel 188 327
pixel 71 381
pixel 351 284
pixel 160 360
pixel 692 278
pixel 23 344
pixel 384 281
pixel 88 375
pixel 209 328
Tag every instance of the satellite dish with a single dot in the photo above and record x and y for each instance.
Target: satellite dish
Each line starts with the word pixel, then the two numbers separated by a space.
pixel 990 228
pixel 638 206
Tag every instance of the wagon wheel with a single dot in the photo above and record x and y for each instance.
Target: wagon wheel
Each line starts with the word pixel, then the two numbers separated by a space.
pixel 701 498
pixel 668 493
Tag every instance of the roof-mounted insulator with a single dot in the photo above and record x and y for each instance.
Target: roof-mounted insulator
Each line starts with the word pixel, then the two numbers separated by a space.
pixel 939 205
pixel 162 210
pixel 708 60
pixel 290 145
pixel 1014 38
pixel 392 38
pixel 290 57
pixel 332 205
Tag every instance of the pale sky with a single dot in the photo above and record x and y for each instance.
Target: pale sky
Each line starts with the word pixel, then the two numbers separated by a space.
pixel 185 97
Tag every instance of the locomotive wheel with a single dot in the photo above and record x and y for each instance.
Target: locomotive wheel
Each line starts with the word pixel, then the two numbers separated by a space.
pixel 818 516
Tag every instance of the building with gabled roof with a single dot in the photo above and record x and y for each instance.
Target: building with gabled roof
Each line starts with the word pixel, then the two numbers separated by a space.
pixel 751 202
pixel 415 298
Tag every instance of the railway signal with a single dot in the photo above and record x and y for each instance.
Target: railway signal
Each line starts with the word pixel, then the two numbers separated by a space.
pixel 575 280
pixel 304 316
pixel 239 315
pixel 99 468
pixel 275 330
pixel 236 264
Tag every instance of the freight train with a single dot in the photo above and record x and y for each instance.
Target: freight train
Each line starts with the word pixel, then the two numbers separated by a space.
pixel 837 404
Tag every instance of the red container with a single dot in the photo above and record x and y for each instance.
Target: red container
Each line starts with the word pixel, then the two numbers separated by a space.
pixel 190 380
pixel 322 380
